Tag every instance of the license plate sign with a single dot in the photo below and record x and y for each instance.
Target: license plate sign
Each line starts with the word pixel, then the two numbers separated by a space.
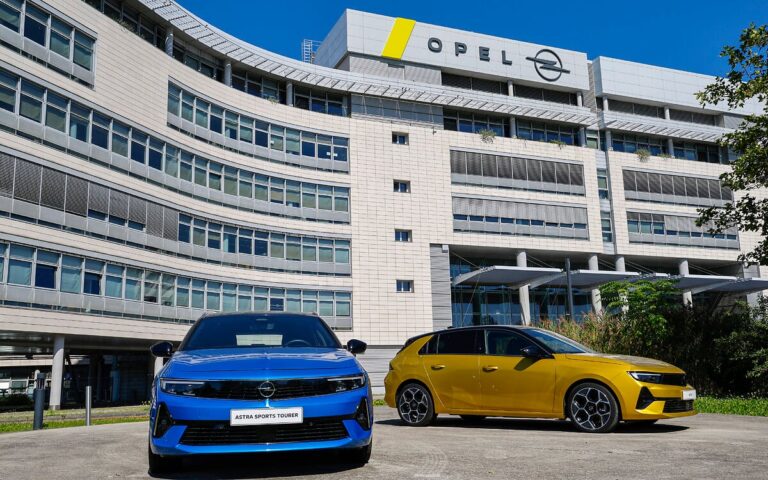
pixel 266 416
pixel 689 394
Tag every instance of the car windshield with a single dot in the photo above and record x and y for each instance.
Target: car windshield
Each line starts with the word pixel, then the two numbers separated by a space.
pixel 260 331
pixel 557 343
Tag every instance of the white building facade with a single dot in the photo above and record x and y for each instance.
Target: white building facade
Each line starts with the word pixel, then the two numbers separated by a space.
pixel 154 168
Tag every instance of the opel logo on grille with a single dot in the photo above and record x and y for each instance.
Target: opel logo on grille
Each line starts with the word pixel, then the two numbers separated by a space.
pixel 267 389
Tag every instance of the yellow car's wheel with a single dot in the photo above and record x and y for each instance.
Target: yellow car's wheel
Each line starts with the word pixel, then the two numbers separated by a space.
pixel 592 408
pixel 415 405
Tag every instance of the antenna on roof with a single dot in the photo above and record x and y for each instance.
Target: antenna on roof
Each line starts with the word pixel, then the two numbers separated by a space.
pixel 308 50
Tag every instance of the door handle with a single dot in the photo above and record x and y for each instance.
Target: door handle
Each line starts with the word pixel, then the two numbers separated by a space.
pixel 490 368
pixel 438 367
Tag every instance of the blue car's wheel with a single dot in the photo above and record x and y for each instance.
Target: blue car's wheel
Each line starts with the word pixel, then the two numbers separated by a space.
pixel 160 464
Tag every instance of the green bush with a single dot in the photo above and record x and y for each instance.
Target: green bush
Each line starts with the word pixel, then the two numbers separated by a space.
pixel 723 350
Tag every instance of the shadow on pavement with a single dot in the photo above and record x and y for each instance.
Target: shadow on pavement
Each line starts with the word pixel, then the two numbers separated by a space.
pixel 259 466
pixel 543 425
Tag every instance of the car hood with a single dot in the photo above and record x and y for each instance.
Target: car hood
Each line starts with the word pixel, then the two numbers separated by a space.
pixel 629 360
pixel 258 362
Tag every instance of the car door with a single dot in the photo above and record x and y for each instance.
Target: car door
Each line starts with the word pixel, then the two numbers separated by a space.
pixel 512 382
pixel 453 369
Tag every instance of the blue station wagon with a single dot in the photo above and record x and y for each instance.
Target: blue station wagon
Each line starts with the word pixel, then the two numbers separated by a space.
pixel 259 382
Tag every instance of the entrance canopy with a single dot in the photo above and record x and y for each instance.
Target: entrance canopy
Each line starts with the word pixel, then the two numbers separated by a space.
pixel 516 277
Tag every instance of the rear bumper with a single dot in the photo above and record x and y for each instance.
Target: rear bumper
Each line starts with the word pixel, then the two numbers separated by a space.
pixel 186 411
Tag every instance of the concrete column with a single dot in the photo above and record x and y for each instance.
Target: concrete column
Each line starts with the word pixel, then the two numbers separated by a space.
pixel 605 104
pixel 169 42
pixel 228 74
pixel 583 136
pixel 683 270
pixel 57 372
pixel 608 140
pixel 666 113
pixel 525 302
pixel 579 99
pixel 158 365
pixel 597 302
pixel 512 128
pixel 620 265
pixel 289 94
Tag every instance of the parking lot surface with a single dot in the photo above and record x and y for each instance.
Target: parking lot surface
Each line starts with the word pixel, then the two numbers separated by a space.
pixel 704 446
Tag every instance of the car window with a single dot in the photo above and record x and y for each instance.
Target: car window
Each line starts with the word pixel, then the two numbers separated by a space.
pixel 260 331
pixel 557 343
pixel 463 342
pixel 504 342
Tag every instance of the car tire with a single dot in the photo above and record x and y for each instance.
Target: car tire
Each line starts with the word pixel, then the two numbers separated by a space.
pixel 415 405
pixel 592 408
pixel 473 418
pixel 160 464
pixel 358 456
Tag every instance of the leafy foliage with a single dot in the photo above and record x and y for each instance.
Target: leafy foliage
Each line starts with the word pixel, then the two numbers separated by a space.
pixel 724 351
pixel 747 79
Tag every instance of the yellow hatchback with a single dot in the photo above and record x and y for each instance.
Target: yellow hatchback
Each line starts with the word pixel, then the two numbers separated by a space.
pixel 504 371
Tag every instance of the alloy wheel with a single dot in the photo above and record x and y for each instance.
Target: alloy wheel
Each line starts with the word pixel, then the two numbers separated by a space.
pixel 591 408
pixel 414 404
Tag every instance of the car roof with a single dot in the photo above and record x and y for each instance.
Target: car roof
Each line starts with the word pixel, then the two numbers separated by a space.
pixel 260 314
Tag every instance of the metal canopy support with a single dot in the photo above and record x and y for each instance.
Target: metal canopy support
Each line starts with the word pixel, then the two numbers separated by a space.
pixel 524 299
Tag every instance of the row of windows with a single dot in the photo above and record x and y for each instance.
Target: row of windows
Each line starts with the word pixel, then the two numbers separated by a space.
pixel 658 112
pixel 231 239
pixel 678 185
pixel 321 102
pixel 529 222
pixel 473 83
pixel 131 19
pixel 545 95
pixel 673 226
pixel 38 185
pixel 468 122
pixel 701 152
pixel 47 30
pixel 547 132
pixel 42 105
pixel 525 169
pixel 232 125
pixel 477 342
pixel 27 266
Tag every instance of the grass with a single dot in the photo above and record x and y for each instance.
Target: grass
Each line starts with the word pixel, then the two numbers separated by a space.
pixel 49 424
pixel 756 407
pixel 379 402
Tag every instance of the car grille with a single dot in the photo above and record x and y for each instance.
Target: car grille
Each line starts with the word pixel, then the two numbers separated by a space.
pixel 673 379
pixel 249 389
pixel 221 433
pixel 677 406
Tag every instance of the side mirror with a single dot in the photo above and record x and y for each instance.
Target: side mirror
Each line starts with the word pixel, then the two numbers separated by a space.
pixel 356 346
pixel 533 351
pixel 162 349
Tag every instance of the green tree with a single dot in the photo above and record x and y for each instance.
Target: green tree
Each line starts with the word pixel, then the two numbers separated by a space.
pixel 746 80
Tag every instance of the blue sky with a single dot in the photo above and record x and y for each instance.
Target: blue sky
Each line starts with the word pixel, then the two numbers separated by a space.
pixel 687 35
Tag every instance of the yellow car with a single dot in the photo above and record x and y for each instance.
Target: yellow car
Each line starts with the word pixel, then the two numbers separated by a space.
pixel 477 372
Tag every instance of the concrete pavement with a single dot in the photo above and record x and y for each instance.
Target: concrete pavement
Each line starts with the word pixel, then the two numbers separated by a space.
pixel 705 446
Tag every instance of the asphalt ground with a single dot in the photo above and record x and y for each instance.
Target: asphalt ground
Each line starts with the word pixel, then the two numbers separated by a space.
pixel 704 446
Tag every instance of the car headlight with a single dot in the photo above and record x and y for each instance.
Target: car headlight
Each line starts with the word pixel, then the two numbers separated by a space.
pixel 342 384
pixel 189 388
pixel 646 377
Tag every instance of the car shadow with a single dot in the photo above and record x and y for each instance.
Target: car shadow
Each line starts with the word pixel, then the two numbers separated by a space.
pixel 538 424
pixel 259 465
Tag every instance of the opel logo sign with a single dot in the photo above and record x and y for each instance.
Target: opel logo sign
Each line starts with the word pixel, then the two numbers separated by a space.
pixel 267 389
pixel 548 65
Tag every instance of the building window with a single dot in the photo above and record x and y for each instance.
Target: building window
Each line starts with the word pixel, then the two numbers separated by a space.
pixel 632 143
pixel 602 184
pixel 402 235
pixel 547 132
pixel 402 186
pixel 399 138
pixel 605 222
pixel 545 95
pixel 471 123
pixel 404 285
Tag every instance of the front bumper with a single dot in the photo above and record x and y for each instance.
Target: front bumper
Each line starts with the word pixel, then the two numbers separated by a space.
pixel 655 402
pixel 188 412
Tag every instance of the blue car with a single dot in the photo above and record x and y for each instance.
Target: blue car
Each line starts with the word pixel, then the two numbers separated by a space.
pixel 259 382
